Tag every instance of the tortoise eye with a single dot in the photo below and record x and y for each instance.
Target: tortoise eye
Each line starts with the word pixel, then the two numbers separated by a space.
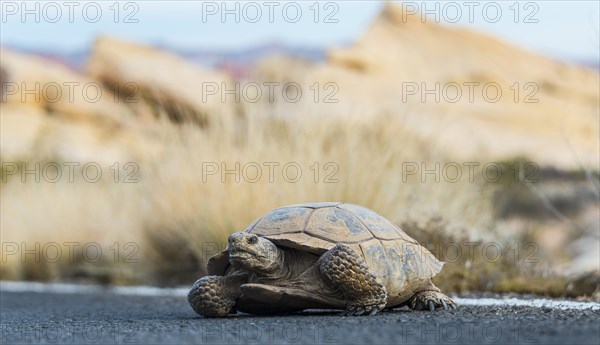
pixel 252 240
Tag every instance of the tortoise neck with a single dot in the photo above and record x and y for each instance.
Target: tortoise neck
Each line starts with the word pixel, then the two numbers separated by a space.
pixel 280 268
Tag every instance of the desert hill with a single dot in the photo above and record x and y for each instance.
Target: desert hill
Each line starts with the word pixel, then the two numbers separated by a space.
pixel 495 101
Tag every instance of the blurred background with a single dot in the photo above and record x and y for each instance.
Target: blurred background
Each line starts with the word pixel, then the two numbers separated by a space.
pixel 135 136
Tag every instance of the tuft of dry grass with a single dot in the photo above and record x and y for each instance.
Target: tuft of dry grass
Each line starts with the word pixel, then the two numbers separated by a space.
pixel 515 264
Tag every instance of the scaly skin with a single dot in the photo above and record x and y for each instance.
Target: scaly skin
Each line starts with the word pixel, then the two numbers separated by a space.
pixel 215 296
pixel 430 298
pixel 342 267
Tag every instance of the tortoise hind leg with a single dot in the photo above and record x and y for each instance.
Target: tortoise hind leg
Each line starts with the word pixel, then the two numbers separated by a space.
pixel 430 298
pixel 342 268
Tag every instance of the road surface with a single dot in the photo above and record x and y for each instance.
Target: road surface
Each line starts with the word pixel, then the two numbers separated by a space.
pixel 113 317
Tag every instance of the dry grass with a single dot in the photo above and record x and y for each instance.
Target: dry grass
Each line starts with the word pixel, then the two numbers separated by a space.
pixel 173 214
pixel 177 216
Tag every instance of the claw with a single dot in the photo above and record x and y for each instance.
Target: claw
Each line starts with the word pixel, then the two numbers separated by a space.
pixel 453 306
pixel 418 306
pixel 430 305
pixel 359 311
pixel 444 304
pixel 374 311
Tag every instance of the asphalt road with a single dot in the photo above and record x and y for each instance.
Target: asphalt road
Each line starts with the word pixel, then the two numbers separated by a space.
pixel 103 318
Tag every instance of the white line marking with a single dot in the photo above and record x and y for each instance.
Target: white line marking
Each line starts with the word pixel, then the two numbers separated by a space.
pixel 15 286
pixel 538 302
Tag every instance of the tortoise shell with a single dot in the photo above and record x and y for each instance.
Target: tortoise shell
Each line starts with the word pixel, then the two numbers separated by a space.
pixel 396 258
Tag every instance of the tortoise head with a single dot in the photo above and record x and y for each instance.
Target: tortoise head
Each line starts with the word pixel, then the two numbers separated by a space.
pixel 253 253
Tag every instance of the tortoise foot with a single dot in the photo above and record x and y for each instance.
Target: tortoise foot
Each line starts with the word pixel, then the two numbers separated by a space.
pixel 215 296
pixel 431 300
pixel 361 310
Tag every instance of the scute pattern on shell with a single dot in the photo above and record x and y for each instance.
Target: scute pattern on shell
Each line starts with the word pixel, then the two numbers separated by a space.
pixel 317 227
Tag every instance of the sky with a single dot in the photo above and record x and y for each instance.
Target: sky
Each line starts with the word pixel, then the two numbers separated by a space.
pixel 566 30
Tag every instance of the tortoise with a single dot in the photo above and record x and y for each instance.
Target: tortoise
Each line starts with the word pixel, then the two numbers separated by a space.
pixel 326 255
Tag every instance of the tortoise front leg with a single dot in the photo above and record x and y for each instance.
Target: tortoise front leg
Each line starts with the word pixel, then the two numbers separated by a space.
pixel 215 296
pixel 342 268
